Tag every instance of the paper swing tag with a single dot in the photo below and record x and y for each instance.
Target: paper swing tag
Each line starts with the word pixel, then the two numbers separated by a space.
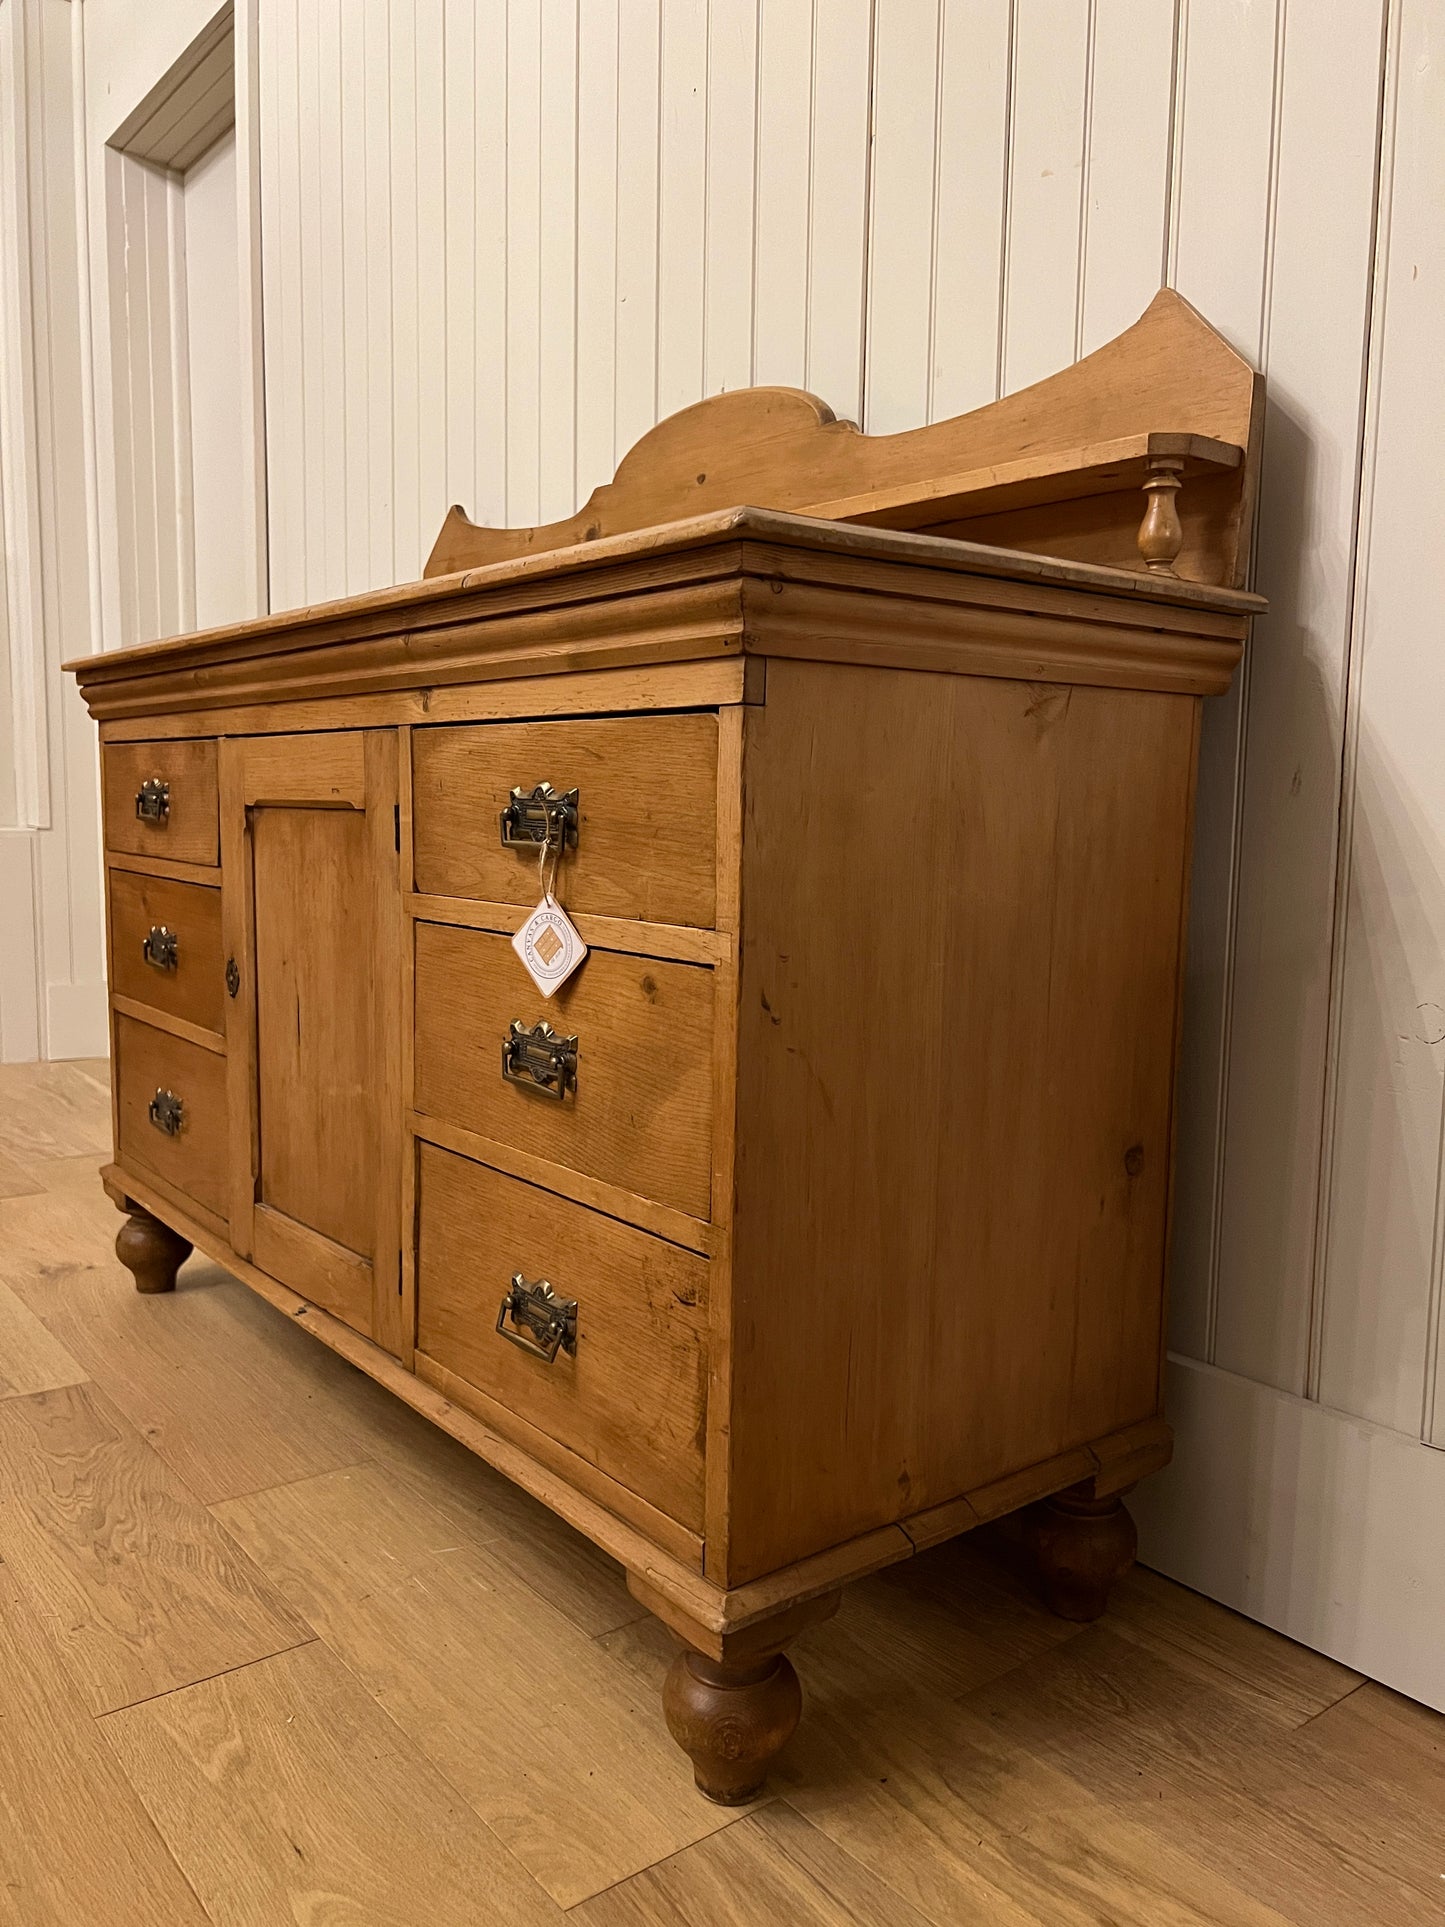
pixel 549 946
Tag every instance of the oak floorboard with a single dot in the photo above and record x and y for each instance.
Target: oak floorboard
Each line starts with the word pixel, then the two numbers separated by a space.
pixel 76 1845
pixel 286 1795
pixel 1339 1823
pixel 55 1110
pixel 32 1359
pixel 561 1752
pixel 772 1868
pixel 968 1825
pixel 137 1585
pixel 1290 1682
pixel 18 1179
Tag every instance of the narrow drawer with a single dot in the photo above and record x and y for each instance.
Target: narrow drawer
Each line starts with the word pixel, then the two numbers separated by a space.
pixel 630 1397
pixel 165 946
pixel 646 813
pixel 183 823
pixel 193 1157
pixel 639 1111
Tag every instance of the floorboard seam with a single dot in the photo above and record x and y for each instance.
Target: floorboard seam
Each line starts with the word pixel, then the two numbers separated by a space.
pixel 241 1666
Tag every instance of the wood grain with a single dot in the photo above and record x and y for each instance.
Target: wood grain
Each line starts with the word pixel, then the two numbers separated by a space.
pixel 785 449
pixel 138 1586
pixel 32 1359
pixel 640 1115
pixel 640 1324
pixel 313 1021
pixel 646 834
pixel 1058 817
pixel 409 1611
pixel 55 1111
pixel 195 990
pixel 286 1793
pixel 189 833
pixel 771 1866
pixel 195 1160
pixel 77 1845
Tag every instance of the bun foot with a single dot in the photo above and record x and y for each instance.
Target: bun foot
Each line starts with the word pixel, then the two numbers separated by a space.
pixel 150 1251
pixel 1080 1547
pixel 731 1720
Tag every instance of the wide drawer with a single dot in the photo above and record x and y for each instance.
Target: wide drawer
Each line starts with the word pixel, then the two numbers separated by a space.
pixel 151 1068
pixel 646 826
pixel 165 946
pixel 630 1398
pixel 181 824
pixel 638 1113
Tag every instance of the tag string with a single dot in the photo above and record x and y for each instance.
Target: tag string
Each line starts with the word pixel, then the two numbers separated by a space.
pixel 556 855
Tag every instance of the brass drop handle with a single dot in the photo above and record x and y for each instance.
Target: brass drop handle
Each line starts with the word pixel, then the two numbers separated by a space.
pixel 159 948
pixel 540 815
pixel 167 1112
pixel 153 801
pixel 534 1319
pixel 539 1059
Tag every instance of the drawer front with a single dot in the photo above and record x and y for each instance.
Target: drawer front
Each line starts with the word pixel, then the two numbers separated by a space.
pixel 165 946
pixel 630 1398
pixel 193 1157
pixel 646 813
pixel 186 829
pixel 639 1112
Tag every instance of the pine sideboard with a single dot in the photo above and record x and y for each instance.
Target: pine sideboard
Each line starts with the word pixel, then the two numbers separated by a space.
pixel 823 1214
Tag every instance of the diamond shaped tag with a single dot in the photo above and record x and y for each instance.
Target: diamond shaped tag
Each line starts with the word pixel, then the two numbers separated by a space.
pixel 549 946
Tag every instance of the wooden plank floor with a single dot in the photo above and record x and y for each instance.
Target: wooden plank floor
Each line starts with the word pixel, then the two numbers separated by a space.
pixel 272 1650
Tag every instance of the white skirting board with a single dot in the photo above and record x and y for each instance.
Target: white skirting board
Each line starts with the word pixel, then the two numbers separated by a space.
pixel 1319 1525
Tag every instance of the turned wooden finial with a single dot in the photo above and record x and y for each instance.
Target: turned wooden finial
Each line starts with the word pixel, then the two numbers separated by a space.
pixel 1161 533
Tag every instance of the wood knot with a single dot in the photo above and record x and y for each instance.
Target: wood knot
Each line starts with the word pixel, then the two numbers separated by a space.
pixel 1134 1160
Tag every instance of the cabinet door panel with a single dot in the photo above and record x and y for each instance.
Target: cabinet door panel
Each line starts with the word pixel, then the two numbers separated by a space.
pixel 307 822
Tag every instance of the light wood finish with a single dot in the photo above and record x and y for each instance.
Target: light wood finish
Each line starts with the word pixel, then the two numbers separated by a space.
pixel 321 1808
pixel 195 1160
pixel 189 833
pixel 195 990
pixel 646 1213
pixel 681 942
pixel 211 1040
pixel 863 1192
pixel 178 1604
pixel 32 1358
pixel 965 1755
pixel 1075 434
pixel 641 1324
pixel 1063 925
pixel 77 1844
pixel 675 595
pixel 311 831
pixel 646 845
pixel 640 1114
pixel 724 679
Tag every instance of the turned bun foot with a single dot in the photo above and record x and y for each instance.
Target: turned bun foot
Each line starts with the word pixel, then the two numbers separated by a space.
pixel 1080 1546
pixel 150 1251
pixel 731 1720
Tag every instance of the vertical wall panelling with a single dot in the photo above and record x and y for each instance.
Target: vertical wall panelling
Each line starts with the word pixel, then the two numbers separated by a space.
pixel 732 105
pixel 434 322
pixel 786 47
pixel 1223 194
pixel 1314 349
pixel 906 48
pixel 1380 1281
pixel 19 431
pixel 406 291
pixel 682 205
pixel 1052 71
pixel 524 260
pixel 598 55
pixel 461 244
pixel 838 215
pixel 1127 177
pixel 639 34
pixel 557 249
pixel 322 79
pixel 970 205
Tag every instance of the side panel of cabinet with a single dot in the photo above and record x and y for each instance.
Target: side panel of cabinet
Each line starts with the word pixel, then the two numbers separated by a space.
pixel 313 923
